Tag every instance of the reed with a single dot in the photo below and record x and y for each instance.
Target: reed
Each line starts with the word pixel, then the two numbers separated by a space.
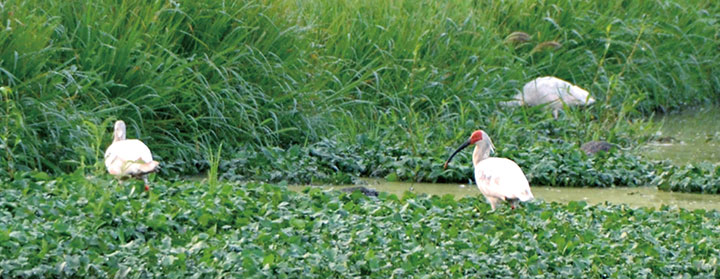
pixel 256 74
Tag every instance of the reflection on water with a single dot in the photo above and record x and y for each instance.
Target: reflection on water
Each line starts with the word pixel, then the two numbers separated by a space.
pixel 636 197
pixel 687 137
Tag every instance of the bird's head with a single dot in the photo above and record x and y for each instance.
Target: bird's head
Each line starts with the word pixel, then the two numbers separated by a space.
pixel 479 136
pixel 583 96
pixel 119 133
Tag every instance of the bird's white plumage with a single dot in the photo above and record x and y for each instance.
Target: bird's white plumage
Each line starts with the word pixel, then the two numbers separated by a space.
pixel 500 179
pixel 552 91
pixel 129 157
pixel 125 157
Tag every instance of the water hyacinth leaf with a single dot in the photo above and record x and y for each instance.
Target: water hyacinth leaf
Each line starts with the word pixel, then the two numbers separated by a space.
pixel 296 234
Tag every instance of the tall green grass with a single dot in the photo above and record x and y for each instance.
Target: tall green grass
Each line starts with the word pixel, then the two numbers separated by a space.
pixel 186 74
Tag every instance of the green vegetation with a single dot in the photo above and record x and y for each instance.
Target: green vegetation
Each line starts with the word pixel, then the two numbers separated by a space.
pixel 74 227
pixel 703 178
pixel 319 91
pixel 544 163
pixel 405 79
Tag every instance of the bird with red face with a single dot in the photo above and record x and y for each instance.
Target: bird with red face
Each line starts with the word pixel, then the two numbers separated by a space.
pixel 499 179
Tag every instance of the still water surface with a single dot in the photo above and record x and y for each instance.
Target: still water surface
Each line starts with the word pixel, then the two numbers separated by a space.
pixel 690 136
pixel 635 197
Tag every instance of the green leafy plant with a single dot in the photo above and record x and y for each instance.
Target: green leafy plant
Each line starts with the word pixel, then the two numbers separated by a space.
pixel 74 226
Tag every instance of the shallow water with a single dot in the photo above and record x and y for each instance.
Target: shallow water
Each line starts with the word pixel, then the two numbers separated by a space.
pixel 688 137
pixel 635 197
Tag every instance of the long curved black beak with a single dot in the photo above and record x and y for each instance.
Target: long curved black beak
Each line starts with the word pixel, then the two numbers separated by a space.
pixel 465 144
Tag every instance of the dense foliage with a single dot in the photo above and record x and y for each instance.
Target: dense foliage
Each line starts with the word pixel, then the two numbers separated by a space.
pixel 701 178
pixel 83 227
pixel 414 76
pixel 564 165
pixel 331 90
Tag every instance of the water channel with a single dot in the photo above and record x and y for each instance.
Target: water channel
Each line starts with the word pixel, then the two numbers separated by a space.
pixel 688 137
pixel 635 197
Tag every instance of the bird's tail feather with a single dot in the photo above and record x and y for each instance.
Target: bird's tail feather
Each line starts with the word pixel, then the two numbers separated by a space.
pixel 149 167
pixel 526 196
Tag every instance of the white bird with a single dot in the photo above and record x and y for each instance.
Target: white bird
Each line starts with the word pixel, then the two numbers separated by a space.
pixel 553 91
pixel 499 179
pixel 129 157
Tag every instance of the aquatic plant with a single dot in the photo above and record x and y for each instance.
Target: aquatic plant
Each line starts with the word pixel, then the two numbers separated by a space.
pixel 559 164
pixel 74 226
pixel 699 178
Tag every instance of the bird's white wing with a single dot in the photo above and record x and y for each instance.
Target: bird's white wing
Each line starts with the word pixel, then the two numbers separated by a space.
pixel 123 157
pixel 130 150
pixel 502 178
pixel 580 96
pixel 544 90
